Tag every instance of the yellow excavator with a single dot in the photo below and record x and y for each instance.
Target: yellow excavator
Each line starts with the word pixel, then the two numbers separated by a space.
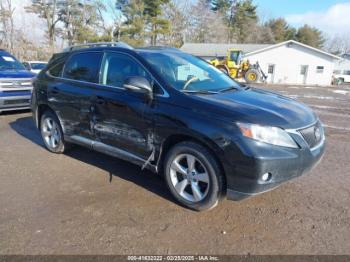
pixel 234 66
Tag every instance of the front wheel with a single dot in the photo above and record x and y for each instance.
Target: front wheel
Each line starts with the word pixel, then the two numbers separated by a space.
pixel 252 76
pixel 51 132
pixel 193 176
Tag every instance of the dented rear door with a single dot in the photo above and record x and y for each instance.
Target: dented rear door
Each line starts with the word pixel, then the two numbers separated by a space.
pixel 71 95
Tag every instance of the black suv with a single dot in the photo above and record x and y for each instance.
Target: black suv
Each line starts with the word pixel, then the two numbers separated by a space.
pixel 177 115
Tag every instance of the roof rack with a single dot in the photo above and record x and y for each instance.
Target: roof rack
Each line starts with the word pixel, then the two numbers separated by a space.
pixel 99 44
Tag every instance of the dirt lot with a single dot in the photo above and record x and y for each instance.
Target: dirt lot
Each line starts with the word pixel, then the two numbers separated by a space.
pixel 88 203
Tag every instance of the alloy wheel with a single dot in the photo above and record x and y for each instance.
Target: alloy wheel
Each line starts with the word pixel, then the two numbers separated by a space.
pixel 189 177
pixel 50 132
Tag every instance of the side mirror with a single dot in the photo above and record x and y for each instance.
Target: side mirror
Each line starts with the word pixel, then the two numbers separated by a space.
pixel 138 84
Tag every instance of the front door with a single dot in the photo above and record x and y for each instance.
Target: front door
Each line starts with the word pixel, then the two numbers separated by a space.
pixel 70 94
pixel 122 119
pixel 303 74
pixel 271 73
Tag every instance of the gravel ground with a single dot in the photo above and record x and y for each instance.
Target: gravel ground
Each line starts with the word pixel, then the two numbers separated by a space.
pixel 88 203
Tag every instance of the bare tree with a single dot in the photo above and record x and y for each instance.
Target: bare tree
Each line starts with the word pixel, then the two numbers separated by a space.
pixel 176 14
pixel 7 24
pixel 205 25
pixel 338 45
pixel 47 10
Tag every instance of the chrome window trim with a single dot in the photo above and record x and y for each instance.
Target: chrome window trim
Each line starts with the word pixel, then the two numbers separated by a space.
pixel 165 93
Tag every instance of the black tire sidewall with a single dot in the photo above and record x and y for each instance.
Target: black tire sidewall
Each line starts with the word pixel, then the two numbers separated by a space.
pixel 215 182
pixel 61 147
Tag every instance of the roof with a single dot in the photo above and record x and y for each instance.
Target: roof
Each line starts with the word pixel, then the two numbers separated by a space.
pixel 212 50
pixel 292 42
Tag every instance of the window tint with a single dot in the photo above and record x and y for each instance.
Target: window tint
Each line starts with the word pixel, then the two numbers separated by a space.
pixel 56 70
pixel 83 67
pixel 118 67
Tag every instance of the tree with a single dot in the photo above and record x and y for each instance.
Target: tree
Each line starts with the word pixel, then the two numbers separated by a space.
pixel 143 18
pixel 176 15
pixel 158 25
pixel 260 34
pixel 338 45
pixel 205 25
pixel 47 10
pixel 7 24
pixel 133 29
pixel 82 20
pixel 239 15
pixel 244 18
pixel 281 30
pixel 310 36
pixel 222 6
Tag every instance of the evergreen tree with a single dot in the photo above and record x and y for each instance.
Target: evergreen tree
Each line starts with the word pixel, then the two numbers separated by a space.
pixel 281 30
pixel 158 25
pixel 244 17
pixel 310 36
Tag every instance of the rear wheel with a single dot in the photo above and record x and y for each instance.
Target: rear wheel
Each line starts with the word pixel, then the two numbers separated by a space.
pixel 252 76
pixel 51 132
pixel 193 176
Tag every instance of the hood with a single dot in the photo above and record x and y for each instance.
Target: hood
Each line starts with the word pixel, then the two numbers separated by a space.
pixel 262 107
pixel 16 74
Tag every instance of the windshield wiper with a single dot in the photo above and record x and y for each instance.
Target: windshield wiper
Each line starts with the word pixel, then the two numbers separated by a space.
pixel 204 92
pixel 228 89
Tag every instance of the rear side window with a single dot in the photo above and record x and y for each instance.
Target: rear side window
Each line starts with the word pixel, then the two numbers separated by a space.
pixel 83 67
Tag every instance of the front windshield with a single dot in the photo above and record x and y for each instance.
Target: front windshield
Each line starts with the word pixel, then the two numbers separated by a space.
pixel 37 66
pixel 10 63
pixel 185 72
pixel 235 56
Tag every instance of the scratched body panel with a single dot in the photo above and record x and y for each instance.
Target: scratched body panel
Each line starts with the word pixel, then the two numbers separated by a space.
pixel 123 120
pixel 72 103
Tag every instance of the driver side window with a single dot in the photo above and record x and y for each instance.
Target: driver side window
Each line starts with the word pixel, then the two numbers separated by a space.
pixel 118 67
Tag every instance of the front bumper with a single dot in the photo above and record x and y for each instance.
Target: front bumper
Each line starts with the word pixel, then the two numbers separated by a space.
pixel 14 100
pixel 244 177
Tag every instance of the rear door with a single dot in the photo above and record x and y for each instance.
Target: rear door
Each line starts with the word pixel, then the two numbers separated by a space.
pixel 123 119
pixel 70 95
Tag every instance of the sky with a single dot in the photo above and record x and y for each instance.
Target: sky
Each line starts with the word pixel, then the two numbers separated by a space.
pixel 330 16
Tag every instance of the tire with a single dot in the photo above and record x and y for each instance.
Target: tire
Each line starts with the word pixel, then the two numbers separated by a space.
pixel 51 133
pixel 252 76
pixel 199 189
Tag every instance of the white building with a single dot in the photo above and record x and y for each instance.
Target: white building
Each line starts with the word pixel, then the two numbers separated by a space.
pixel 289 62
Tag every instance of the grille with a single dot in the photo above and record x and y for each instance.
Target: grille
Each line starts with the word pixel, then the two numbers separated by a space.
pixel 16 101
pixel 313 135
pixel 10 85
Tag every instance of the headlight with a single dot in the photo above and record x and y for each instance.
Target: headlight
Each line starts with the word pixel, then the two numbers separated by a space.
pixel 267 134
